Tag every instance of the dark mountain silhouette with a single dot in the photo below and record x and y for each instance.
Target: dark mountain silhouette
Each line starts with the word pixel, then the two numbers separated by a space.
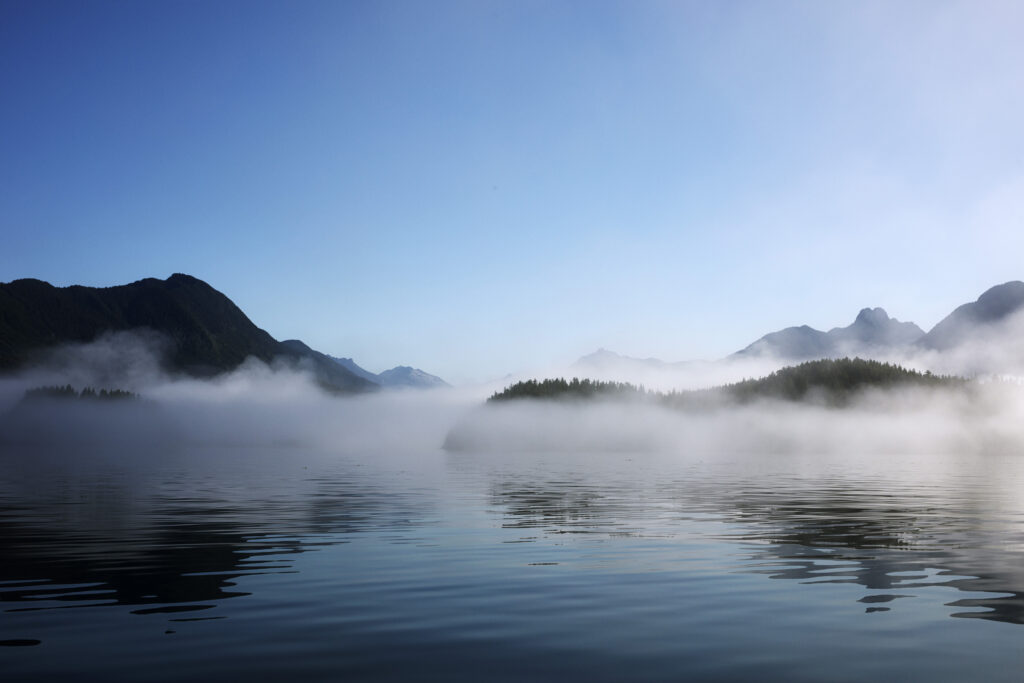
pixel 993 307
pixel 352 367
pixel 327 372
pixel 207 333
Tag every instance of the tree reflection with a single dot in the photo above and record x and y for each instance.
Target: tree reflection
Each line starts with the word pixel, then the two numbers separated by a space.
pixel 823 532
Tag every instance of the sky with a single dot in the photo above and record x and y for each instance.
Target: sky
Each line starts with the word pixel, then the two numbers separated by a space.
pixel 478 188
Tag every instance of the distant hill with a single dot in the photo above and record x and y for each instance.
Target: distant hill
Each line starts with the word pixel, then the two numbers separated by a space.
pixel 208 333
pixel 399 376
pixel 872 331
pixel 994 306
pixel 603 359
pixel 651 372
pixel 405 376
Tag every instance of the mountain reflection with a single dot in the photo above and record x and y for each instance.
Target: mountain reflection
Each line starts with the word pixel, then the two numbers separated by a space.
pixel 814 531
pixel 96 543
pixel 884 542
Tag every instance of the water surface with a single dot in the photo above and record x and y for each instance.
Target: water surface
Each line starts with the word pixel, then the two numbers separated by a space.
pixel 290 562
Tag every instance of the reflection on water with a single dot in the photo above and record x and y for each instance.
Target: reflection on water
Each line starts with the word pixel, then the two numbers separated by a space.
pixel 886 542
pixel 882 535
pixel 167 542
pixel 517 559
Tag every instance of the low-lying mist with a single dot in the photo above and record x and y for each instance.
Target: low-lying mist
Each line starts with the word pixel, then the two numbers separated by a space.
pixel 255 405
pixel 978 418
pixel 280 405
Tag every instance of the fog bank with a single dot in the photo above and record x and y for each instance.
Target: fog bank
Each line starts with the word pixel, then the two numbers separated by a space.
pixel 280 405
pixel 257 404
pixel 984 418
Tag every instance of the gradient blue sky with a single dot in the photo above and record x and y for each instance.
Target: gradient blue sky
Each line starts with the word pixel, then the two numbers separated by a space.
pixel 477 188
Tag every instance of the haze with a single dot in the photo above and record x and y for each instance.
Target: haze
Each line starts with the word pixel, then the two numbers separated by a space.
pixel 280 405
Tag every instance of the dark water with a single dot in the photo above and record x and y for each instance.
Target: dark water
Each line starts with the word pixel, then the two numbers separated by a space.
pixel 293 564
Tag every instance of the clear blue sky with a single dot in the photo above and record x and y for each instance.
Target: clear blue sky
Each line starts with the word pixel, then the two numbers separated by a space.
pixel 477 188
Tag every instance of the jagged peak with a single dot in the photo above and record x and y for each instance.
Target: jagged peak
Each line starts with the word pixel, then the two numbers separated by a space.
pixel 873 316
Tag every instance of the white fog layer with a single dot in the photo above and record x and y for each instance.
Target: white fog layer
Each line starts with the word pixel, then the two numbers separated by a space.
pixel 260 404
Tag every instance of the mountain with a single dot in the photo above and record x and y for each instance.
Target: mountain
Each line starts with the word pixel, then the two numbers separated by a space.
pixel 652 372
pixel 874 327
pixel 603 359
pixel 207 333
pixel 994 306
pixel 875 332
pixel 871 332
pixel 980 331
pixel 404 376
pixel 400 376
pixel 324 368
pixel 351 366
pixel 791 343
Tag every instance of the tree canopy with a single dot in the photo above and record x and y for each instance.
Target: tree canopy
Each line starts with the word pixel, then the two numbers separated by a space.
pixel 88 393
pixel 834 381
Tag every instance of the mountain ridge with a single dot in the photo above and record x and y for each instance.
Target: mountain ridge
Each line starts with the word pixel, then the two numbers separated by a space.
pixel 208 333
pixel 872 331
pixel 396 377
pixel 995 305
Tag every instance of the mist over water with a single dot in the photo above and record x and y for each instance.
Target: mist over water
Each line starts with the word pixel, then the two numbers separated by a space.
pixel 254 525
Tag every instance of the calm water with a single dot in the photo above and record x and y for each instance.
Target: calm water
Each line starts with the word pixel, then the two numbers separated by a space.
pixel 290 563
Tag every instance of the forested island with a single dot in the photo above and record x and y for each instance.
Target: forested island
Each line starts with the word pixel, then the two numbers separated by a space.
pixel 87 393
pixel 795 408
pixel 830 381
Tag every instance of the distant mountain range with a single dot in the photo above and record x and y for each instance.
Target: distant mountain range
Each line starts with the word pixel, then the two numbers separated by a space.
pixel 207 333
pixel 872 334
pixel 400 376
pixel 608 362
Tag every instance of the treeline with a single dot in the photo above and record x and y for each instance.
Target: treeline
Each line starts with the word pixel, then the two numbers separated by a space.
pixel 574 388
pixel 833 381
pixel 88 393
